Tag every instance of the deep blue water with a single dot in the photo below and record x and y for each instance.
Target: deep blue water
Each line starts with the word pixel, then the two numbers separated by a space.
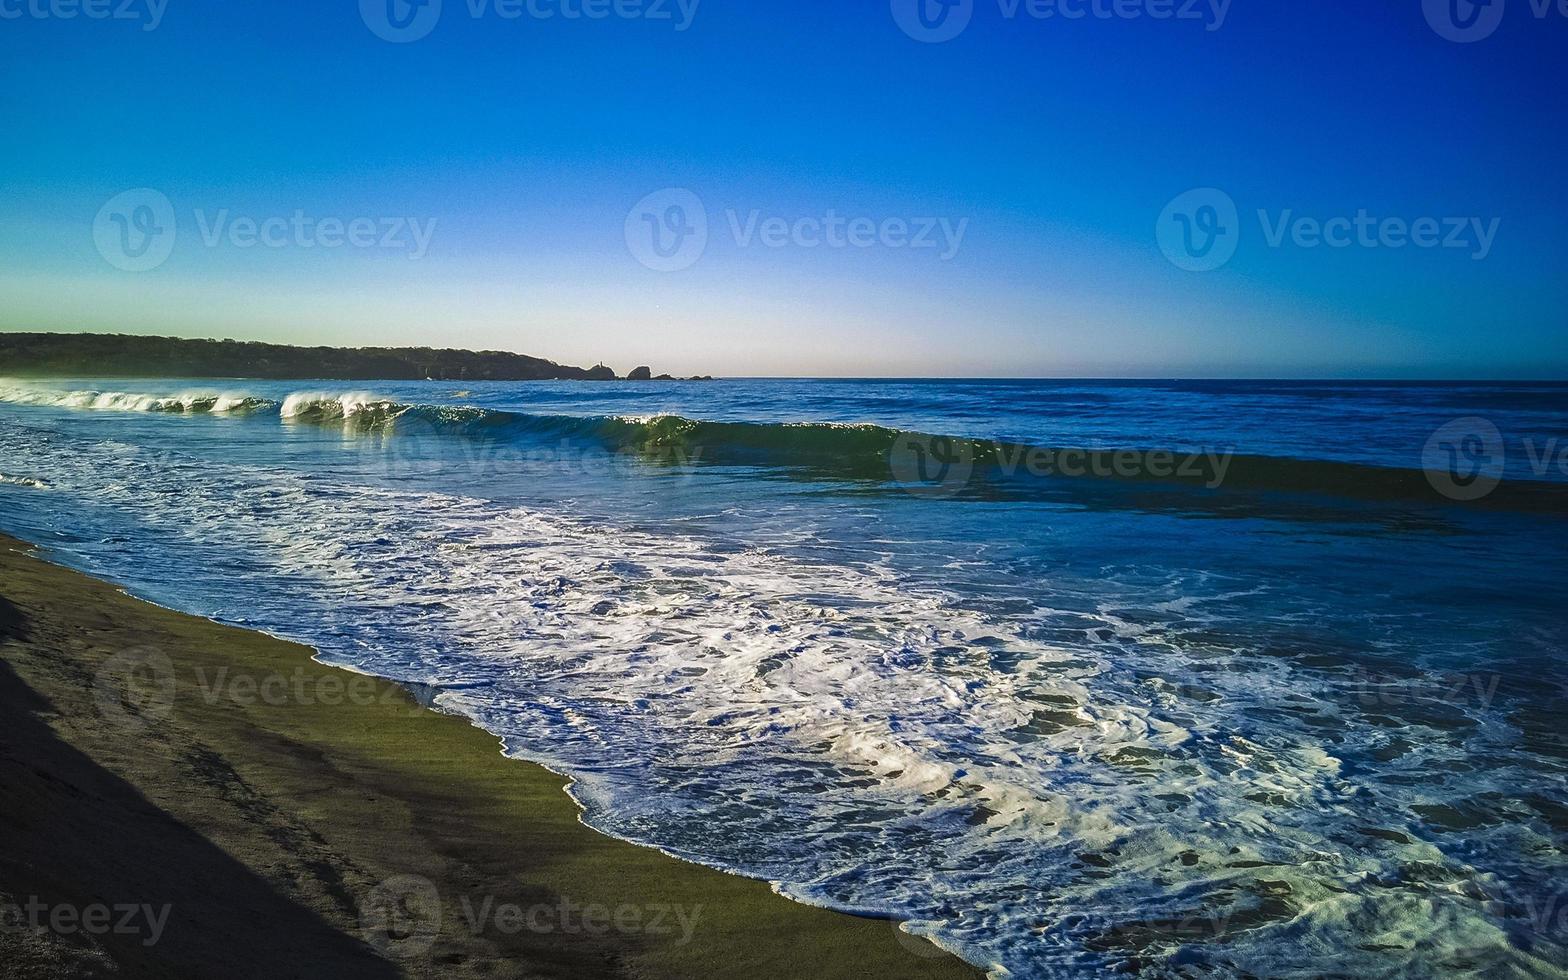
pixel 1275 690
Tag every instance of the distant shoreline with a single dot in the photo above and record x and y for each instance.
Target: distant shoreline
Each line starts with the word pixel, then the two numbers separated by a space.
pixel 96 355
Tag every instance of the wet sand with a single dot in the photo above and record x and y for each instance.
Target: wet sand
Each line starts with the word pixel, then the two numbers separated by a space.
pixel 180 798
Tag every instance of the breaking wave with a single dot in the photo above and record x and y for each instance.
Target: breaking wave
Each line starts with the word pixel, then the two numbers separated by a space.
pixel 355 407
pixel 960 467
pixel 189 403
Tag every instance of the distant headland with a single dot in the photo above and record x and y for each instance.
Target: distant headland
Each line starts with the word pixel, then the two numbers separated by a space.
pixel 126 356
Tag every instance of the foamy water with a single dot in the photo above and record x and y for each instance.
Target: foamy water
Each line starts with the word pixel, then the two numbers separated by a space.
pixel 1051 760
pixel 216 403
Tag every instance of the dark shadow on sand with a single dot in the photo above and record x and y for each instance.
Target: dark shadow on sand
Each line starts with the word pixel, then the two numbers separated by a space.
pixel 13 624
pixel 74 834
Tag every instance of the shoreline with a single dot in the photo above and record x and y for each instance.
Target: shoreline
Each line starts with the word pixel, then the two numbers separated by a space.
pixel 188 798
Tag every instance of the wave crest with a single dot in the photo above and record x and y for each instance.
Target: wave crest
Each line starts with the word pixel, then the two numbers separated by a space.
pixel 869 454
pixel 354 406
pixel 200 402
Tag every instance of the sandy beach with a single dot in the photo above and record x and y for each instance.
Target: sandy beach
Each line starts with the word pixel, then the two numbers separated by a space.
pixel 185 798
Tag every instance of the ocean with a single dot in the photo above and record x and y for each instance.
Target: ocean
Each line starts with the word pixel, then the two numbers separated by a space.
pixel 1240 678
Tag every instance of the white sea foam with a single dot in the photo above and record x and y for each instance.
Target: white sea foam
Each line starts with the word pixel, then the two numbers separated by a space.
pixel 216 403
pixel 311 406
pixel 349 405
pixel 865 741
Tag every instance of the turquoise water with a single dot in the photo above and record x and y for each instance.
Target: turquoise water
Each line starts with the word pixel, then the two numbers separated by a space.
pixel 1219 678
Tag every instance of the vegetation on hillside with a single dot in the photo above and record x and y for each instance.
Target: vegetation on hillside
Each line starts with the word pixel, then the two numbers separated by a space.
pixel 123 356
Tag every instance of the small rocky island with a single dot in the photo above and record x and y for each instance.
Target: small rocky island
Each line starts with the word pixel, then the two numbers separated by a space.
pixel 646 374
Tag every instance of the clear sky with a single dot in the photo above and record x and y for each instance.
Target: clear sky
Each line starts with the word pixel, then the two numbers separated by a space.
pixel 815 142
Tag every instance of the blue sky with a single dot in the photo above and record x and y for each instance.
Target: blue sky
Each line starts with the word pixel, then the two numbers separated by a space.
pixel 501 162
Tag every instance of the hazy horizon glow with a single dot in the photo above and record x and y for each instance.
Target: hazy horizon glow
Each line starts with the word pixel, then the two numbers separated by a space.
pixel 515 157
